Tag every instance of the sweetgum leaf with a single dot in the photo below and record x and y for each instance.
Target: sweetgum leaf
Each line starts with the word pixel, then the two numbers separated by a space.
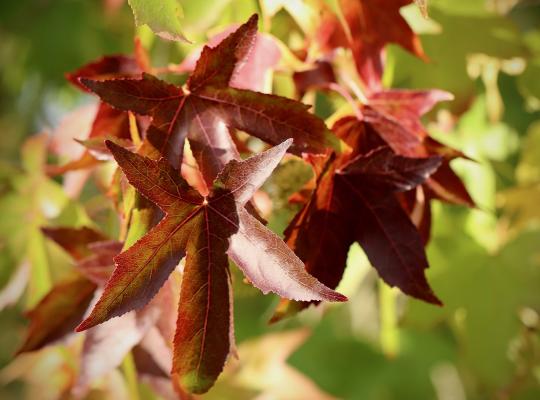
pixel 204 228
pixel 211 108
pixel 355 201
pixel 58 313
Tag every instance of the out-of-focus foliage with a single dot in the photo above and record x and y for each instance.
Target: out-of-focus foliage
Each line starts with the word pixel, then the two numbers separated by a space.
pixel 484 262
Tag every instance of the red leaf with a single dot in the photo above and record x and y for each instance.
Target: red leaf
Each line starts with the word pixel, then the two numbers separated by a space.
pixel 382 169
pixel 58 313
pixel 354 200
pixel 103 68
pixel 371 25
pixel 445 185
pixel 250 72
pixel 202 228
pixel 216 65
pixel 407 106
pixel 211 108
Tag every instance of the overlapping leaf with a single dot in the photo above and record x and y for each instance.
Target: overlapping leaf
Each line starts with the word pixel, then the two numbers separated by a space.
pixel 205 229
pixel 354 201
pixel 63 308
pixel 108 122
pixel 370 25
pixel 58 313
pixel 208 107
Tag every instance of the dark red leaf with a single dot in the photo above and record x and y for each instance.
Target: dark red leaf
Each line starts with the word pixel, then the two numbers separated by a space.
pixel 107 67
pixel 205 228
pixel 211 108
pixel 383 169
pixel 354 200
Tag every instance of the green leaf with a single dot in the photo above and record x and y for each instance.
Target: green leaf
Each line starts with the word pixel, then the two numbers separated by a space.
pixel 162 16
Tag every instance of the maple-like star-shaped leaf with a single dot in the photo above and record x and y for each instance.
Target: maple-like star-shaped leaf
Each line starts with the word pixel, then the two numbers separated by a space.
pixel 355 201
pixel 208 107
pixel 205 230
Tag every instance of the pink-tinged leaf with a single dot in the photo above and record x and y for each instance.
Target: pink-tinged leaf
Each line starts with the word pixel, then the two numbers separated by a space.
pixel 201 228
pixel 251 73
pixel 407 106
pixel 74 241
pixel 271 266
pixel 115 339
pixel 158 349
pixel 75 125
pixel 98 267
pixel 108 123
pixel 270 118
pixel 211 108
pixel 383 169
pixel 395 134
pixel 216 65
pixel 12 291
pixel 58 313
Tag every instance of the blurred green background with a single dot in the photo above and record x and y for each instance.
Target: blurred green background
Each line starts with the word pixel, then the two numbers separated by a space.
pixel 485 263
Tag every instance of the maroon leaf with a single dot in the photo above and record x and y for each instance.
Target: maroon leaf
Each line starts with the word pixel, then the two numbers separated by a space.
pixel 202 227
pixel 103 68
pixel 382 169
pixel 210 108
pixel 354 200
pixel 445 185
